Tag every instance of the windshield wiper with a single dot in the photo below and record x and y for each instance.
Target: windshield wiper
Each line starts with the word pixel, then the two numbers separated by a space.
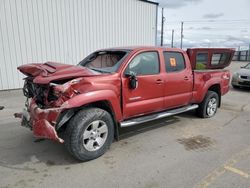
pixel 98 70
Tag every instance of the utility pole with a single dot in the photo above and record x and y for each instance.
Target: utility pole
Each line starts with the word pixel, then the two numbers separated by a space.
pixel 181 33
pixel 248 53
pixel 162 24
pixel 172 41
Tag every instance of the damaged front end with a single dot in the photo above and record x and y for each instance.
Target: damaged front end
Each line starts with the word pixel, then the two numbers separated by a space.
pixel 45 108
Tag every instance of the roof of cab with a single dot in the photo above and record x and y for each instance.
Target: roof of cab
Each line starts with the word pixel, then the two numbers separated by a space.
pixel 137 48
pixel 151 2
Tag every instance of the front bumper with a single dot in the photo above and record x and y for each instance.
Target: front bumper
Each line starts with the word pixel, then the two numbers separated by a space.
pixel 236 81
pixel 41 121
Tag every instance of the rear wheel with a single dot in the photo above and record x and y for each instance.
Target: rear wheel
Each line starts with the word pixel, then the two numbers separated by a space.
pixel 209 105
pixel 89 133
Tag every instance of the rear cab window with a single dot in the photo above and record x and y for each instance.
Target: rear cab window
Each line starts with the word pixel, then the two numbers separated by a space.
pixel 174 61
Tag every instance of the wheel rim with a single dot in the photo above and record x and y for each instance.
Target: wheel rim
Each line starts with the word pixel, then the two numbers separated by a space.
pixel 95 135
pixel 211 107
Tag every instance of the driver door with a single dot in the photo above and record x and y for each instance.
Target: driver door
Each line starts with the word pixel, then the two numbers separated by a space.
pixel 148 96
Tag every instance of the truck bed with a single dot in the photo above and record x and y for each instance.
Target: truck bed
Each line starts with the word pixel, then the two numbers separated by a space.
pixel 204 78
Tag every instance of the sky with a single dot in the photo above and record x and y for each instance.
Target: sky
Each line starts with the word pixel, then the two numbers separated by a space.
pixel 207 23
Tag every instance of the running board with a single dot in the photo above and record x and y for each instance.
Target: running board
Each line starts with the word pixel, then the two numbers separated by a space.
pixel 159 115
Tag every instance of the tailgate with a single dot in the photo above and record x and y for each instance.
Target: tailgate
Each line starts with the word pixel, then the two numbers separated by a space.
pixel 210 58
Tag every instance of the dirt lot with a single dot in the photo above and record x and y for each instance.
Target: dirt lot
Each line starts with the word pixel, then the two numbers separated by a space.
pixel 181 151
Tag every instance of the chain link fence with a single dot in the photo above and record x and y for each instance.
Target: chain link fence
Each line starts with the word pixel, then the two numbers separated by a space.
pixel 243 55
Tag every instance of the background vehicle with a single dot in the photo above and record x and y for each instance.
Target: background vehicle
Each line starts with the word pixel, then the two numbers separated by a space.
pixel 241 78
pixel 119 87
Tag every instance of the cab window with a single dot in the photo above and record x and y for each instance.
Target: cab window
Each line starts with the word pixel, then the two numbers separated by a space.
pixel 145 63
pixel 174 61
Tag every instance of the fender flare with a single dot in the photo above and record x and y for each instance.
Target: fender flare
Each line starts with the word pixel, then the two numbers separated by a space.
pixel 206 89
pixel 95 96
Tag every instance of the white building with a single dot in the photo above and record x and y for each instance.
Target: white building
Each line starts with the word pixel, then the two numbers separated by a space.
pixel 67 30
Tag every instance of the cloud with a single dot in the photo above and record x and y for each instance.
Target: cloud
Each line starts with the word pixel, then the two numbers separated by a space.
pixel 175 4
pixel 213 15
pixel 199 28
pixel 244 31
pixel 204 28
pixel 226 41
pixel 243 39
pixel 206 41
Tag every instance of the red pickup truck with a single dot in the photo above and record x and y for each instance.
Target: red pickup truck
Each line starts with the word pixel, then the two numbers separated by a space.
pixel 84 105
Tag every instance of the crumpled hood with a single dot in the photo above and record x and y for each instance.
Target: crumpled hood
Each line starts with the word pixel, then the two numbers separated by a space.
pixel 44 73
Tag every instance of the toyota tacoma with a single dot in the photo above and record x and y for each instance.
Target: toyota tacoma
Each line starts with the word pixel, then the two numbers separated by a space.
pixel 85 105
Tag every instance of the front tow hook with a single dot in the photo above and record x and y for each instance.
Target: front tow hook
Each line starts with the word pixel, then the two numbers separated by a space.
pixel 18 115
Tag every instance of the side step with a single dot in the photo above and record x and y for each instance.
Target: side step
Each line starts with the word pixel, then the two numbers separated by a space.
pixel 155 116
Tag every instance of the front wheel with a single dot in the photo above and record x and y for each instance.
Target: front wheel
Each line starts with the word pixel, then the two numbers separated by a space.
pixel 208 107
pixel 89 133
pixel 235 87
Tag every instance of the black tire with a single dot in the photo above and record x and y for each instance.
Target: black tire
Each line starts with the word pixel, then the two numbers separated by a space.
pixel 235 87
pixel 79 125
pixel 203 111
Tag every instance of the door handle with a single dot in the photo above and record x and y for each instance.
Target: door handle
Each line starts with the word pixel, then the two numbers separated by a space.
pixel 186 78
pixel 159 81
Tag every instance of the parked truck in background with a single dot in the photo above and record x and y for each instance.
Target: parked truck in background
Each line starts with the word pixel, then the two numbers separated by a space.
pixel 120 87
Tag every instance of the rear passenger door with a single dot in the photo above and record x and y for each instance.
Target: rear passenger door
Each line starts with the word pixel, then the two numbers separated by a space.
pixel 178 80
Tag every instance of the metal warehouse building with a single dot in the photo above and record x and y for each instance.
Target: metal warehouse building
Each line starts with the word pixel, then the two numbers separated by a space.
pixel 67 30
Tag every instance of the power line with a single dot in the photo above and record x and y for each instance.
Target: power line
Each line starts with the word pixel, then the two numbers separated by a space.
pixel 209 21
pixel 212 29
pixel 213 23
pixel 192 27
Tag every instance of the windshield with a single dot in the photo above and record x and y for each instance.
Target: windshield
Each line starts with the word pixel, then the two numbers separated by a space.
pixel 104 61
pixel 247 66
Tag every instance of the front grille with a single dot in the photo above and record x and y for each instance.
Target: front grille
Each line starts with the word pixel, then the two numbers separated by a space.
pixel 51 96
pixel 32 90
pixel 245 77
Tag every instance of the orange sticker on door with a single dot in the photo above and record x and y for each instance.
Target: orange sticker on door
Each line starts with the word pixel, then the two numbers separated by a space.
pixel 172 62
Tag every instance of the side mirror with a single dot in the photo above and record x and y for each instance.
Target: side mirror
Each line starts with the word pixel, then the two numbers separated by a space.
pixel 133 82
